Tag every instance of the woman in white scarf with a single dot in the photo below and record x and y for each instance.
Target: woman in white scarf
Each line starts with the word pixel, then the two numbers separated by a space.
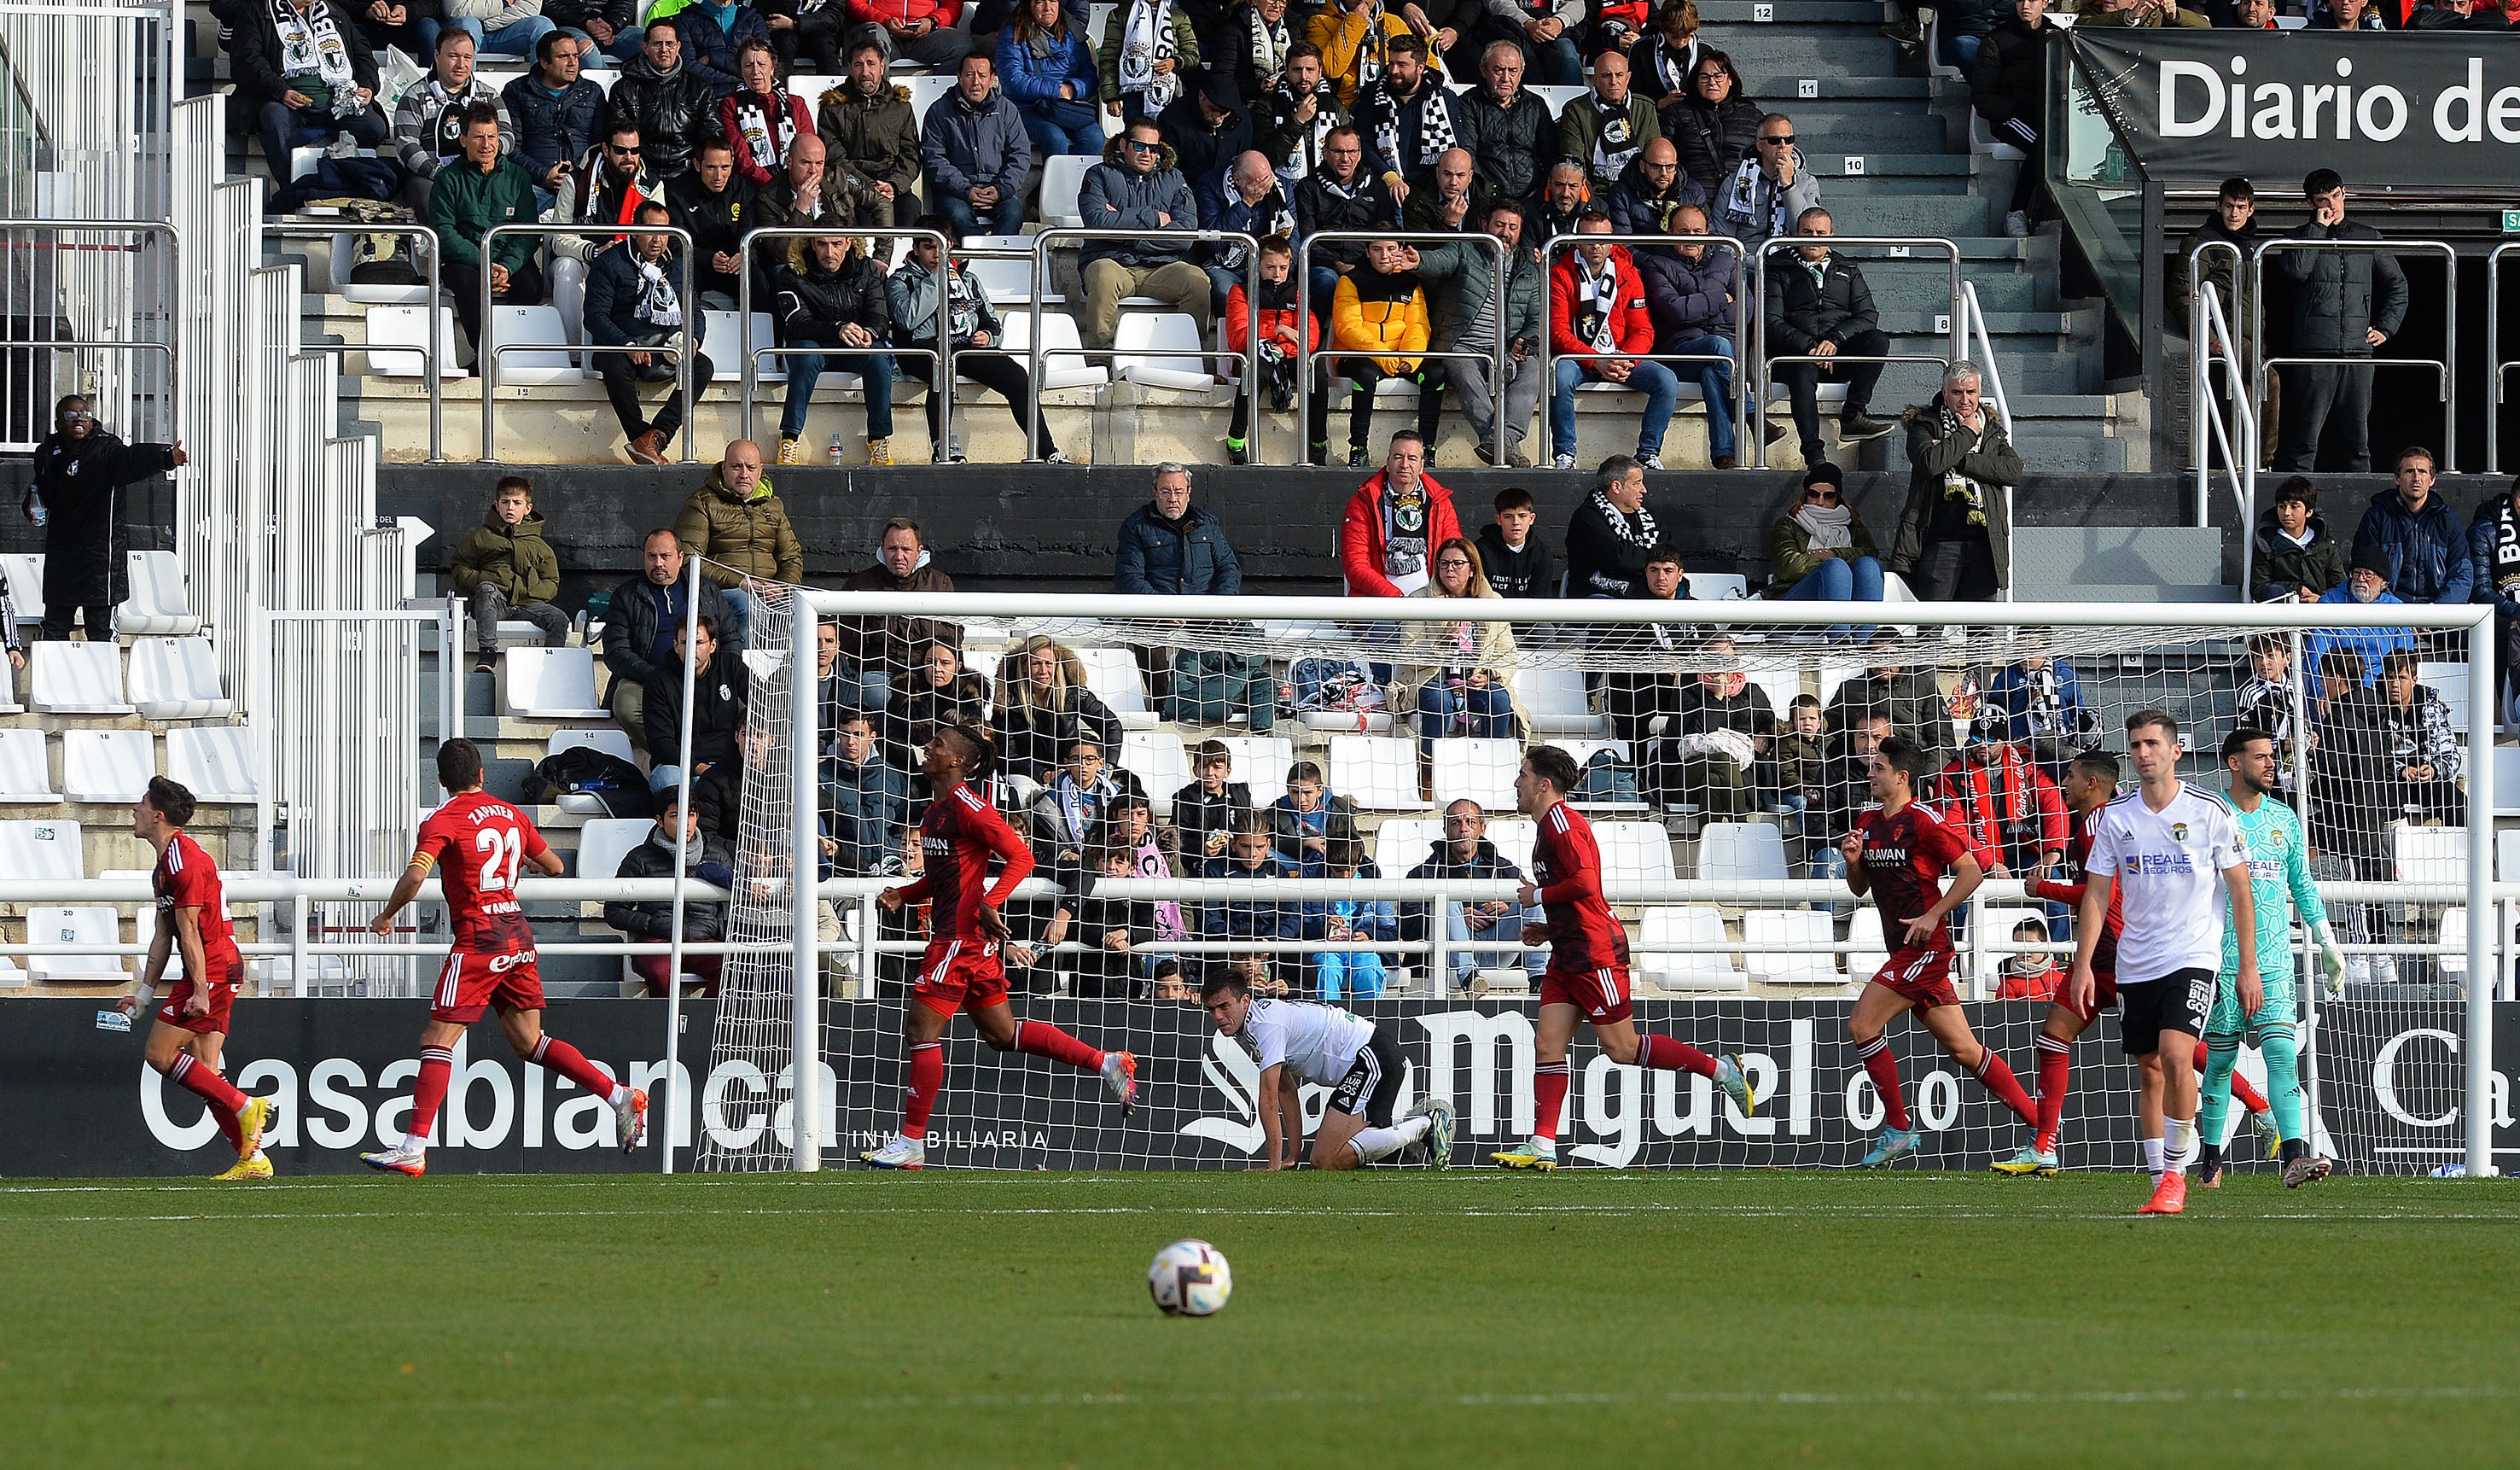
pixel 1146 46
pixel 1820 550
pixel 1463 671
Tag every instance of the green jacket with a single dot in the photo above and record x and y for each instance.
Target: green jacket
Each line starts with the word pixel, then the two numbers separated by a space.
pixel 1789 553
pixel 740 537
pixel 464 203
pixel 1469 271
pixel 1579 129
pixel 516 560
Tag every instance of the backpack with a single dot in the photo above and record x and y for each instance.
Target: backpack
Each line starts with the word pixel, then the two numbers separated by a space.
pixel 1342 685
pixel 584 770
pixel 1605 781
pixel 379 259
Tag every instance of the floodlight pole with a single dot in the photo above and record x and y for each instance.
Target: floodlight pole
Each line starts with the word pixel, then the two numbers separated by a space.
pixel 805 864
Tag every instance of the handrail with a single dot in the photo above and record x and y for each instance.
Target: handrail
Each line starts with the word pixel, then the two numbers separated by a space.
pixel 1763 363
pixel 2214 341
pixel 159 228
pixel 2199 367
pixel 1304 354
pixel 942 354
pixel 486 351
pixel 2441 366
pixel 1971 323
pixel 2495 368
pixel 424 239
pixel 1740 398
pixel 1040 244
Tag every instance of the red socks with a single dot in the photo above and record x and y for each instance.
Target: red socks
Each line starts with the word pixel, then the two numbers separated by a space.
pixel 1549 1098
pixel 2055 1058
pixel 2250 1097
pixel 1670 1054
pixel 1885 1070
pixel 926 1077
pixel 1998 1077
pixel 566 1059
pixel 205 1084
pixel 436 1068
pixel 1039 1039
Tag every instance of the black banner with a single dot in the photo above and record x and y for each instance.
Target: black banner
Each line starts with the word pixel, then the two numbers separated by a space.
pixel 85 1104
pixel 2428 110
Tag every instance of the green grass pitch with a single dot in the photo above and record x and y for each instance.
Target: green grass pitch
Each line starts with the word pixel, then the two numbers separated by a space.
pixel 1385 1320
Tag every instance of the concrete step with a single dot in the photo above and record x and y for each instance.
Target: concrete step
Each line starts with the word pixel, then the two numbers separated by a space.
pixel 1835 130
pixel 1950 215
pixel 1766 55
pixel 1794 17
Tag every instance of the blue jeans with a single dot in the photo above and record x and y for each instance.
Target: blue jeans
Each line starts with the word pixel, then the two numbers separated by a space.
pixel 1715 382
pixel 1655 381
pixel 1490 710
pixel 1050 137
pixel 870 690
pixel 594 57
pixel 1004 220
pixel 284 129
pixel 1839 580
pixel 874 368
pixel 738 607
pixel 1506 934
pixel 516 39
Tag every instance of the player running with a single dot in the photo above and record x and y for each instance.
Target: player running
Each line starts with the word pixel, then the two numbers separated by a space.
pixel 2279 881
pixel 479 847
pixel 1587 962
pixel 192 1027
pixel 2167 845
pixel 1899 853
pixel 961 970
pixel 1356 1059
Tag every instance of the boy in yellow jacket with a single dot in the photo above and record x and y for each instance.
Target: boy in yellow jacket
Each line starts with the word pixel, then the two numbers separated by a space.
pixel 1379 310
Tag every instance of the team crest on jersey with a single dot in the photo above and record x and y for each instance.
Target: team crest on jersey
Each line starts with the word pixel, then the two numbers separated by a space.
pixel 2178 832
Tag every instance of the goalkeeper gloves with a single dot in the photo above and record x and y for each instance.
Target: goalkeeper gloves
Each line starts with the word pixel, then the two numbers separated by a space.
pixel 2331 960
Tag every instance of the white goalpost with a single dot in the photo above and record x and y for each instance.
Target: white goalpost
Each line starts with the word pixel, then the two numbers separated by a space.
pixel 1715 845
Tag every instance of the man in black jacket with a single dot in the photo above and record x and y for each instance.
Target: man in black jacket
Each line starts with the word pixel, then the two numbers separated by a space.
pixel 1340 195
pixel 670 105
pixel 2345 305
pixel 556 111
pixel 705 859
pixel 715 203
pixel 1464 852
pixel 608 29
pixel 1612 533
pixel 307 70
pixel 78 469
pixel 639 622
pixel 1819 306
pixel 2010 90
pixel 719 697
pixel 1508 130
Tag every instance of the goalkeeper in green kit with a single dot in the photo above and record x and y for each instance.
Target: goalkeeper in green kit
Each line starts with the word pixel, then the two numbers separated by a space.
pixel 2267 1012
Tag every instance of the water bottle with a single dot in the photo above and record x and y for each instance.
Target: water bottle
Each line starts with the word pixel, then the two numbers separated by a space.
pixel 36 511
pixel 835 450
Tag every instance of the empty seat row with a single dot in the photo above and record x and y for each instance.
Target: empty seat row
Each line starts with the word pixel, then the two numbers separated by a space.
pixel 166 678
pixel 216 763
pixel 157 603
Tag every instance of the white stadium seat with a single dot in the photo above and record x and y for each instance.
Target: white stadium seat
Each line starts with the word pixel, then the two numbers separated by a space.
pixel 1402 842
pixel 1140 333
pixel 532 328
pixel 1584 750
pixel 1554 701
pixel 1687 924
pixel 78 679
pixel 400 327
pixel 613 740
pixel 144 921
pixel 372 294
pixel 1062 348
pixel 1557 96
pixel 2507 780
pixel 216 763
pixel 724 345
pixel 1635 852
pixel 177 678
pixel 1113 676
pixel 26 767
pixel 85 925
pixel 2430 854
pixel 1482 769
pixel 1377 773
pixel 26 573
pixel 1741 852
pixel 603 843
pixel 1513 837
pixel 108 765
pixel 1063 179
pixel 157 603
pixel 926 91
pixel 1159 761
pixel 42 850
pixel 1007 280
pixel 1260 763
pixel 1870 954
pixel 1767 933
pixel 551 683
pixel 2450 681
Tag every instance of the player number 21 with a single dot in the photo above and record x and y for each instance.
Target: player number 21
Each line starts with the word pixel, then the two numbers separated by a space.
pixel 504 850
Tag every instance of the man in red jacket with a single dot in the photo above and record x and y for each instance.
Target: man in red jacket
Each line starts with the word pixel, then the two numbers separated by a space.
pixel 1596 315
pixel 1394 522
pixel 2013 815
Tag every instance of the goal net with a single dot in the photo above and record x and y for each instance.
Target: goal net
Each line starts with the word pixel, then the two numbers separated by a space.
pixel 1324 803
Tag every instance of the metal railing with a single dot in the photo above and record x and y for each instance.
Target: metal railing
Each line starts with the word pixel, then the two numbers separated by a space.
pixel 38 299
pixel 942 354
pixel 1250 354
pixel 1739 398
pixel 1755 392
pixel 424 242
pixel 2211 344
pixel 1304 353
pixel 1968 323
pixel 2495 369
pixel 2441 366
pixel 2200 381
pixel 488 349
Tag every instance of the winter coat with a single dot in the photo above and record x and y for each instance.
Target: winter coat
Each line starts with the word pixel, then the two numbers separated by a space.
pixel 2425 553
pixel 1407 118
pixel 895 644
pixel 2013 693
pixel 1115 30
pixel 877 136
pixel 1191 557
pixel 1278 313
pixel 1222 206
pixel 1802 313
pixel 915 716
pixel 910 294
pixel 429 124
pixel 1790 551
pixel 1336 817
pixel 720 694
pixel 553 130
pixel 1432 656
pixel 1197 816
pixel 1713 138
pixel 1580 126
pixel 703 923
pixel 674 113
pixel 1987 457
pixel 2338 295
pixel 1361 535
pixel 594 193
pixel 637 612
pixel 1764 219
pixel 2278 566
pixel 740 537
pixel 78 480
pixel 1204 154
pixel 1630 324
pixel 2483 533
pixel 1246 918
pixel 612 294
pixel 1510 146
pixel 1294 148
pixel 712 38
pixel 1033 738
pixel 1346 38
pixel 514 559
pixel 1486 865
pixel 1380 315
pixel 1461 277
pixel 1636 207
pixel 2217 268
pixel 1116 197
pixel 811 304
pixel 965 143
pixel 2012 77
pixel 464 204
pixel 255 54
pixel 745 112
pixel 865 807
pixel 1646 57
pixel 1366 204
pixel 1687 298
pixel 1909 698
pixel 2370 644
pixel 1033 81
pixel 717 222
pixel 1600 561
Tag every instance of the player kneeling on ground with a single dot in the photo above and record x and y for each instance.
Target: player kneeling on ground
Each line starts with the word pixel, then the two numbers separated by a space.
pixel 1352 1056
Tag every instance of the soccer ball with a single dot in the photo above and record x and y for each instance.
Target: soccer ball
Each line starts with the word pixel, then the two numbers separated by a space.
pixel 1190 1279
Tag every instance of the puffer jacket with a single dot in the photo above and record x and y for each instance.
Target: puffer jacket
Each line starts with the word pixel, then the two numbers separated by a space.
pixel 1360 540
pixel 878 135
pixel 1581 125
pixel 674 113
pixel 1509 144
pixel 1688 296
pixel 2338 295
pixel 428 126
pixel 721 693
pixel 613 294
pixel 1191 557
pixel 1114 197
pixel 866 806
pixel 1487 864
pixel 2012 77
pixel 1630 324
pixel 1380 315
pixel 654 919
pixel 911 294
pixel 1713 138
pixel 712 39
pixel 2278 568
pixel 2485 558
pixel 1636 207
pixel 514 559
pixel 1463 277
pixel 1366 203
pixel 551 129
pixel 811 304
pixel 1033 81
pixel 740 537
pixel 965 143
pixel 1278 313
pixel 2427 549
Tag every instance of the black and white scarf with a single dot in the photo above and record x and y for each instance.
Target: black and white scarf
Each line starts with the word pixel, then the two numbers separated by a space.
pixel 1616 143
pixel 1957 485
pixel 1741 206
pixel 1671 68
pixel 1637 531
pixel 1405 521
pixel 765 127
pixel 660 305
pixel 310 41
pixel 1267 45
pixel 1434 127
pixel 1304 148
pixel 2506 545
pixel 1146 38
pixel 1598 299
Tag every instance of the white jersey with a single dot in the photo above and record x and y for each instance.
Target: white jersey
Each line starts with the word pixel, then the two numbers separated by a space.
pixel 2169 864
pixel 1316 1042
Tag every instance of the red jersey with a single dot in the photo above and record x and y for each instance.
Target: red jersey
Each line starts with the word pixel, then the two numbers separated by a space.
pixel 185 878
pixel 1566 864
pixel 956 837
pixel 478 845
pixel 1906 858
pixel 2078 861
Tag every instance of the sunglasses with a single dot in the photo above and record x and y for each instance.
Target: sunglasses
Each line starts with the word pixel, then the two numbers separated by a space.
pixel 1137 147
pixel 1831 496
pixel 1779 140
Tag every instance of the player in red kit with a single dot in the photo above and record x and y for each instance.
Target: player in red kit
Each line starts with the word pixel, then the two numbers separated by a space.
pixel 961 970
pixel 479 847
pixel 1587 979
pixel 192 1027
pixel 1899 853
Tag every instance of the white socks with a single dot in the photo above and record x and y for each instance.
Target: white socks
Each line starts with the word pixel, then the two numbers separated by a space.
pixel 1374 1145
pixel 2152 1157
pixel 2178 1142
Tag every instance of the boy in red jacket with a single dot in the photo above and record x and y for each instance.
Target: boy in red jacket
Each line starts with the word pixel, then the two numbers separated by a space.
pixel 1275 324
pixel 1596 314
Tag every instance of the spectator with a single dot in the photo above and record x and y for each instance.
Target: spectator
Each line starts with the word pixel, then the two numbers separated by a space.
pixel 2351 14
pixel 1662 65
pixel 1846 788
pixel 77 470
pixel 1392 522
pixel 2010 90
pixel 898 645
pixel 1954 539
pixel 1633 697
pixel 1274 320
pixel 1297 115
pixel 1508 130
pixel 2494 575
pixel 1465 320
pixel 1379 310
pixel 1464 670
pixel 711 36
pixel 1204 809
pixel 1208 130
pixel 1964 24
pixel 1715 125
pixel 1651 192
pixel 2435 14
pixel 922 32
pixel 2350 770
pixel 2030 974
pixel 430 117
pixel 485 190
pixel 633 300
pixel 1049 71
pixel 500 27
pixel 1614 25
pixel 1128 829
pixel 639 623
pixel 710 201
pixel 760 118
pixel 2423 746
pixel 720 695
pixel 1612 533
pixel 2295 559
pixel 1136 187
pixel 1073 799
pixel 1247 200
pixel 505 567
pixel 1258 39
pixel 1465 853
pixel 1598 319
pixel 2265 704
pixel 2233 222
pixel 1149 49
pixel 977 154
pixel 2005 805
pixel 1340 195
pixel 1546 32
pixel 1820 551
pixel 311 75
pixel 1304 821
pixel 1354 39
pixel 867 125
pixel 602 189
pixel 2143 14
pixel 816 30
pixel 666 99
pixel 1688 294
pixel 651 921
pixel 804 197
pixel 1606 130
pixel 1171 548
pixel 1353 974
pixel 409 26
pixel 1717 746
pixel 1109 931
pixel 1408 115
pixel 913 292
pixel 842 687
pixel 2413 533
pixel 736 521
pixel 1249 856
pixel 1770 193
pixel 1908 698
pixel 835 300
pixel 1514 561
pixel 9 641
pixel 1445 204
pixel 558 114
pixel 1042 704
pixel 1825 311
pixel 605 32
pixel 2037 703
pixel 2345 305
pixel 939 691
pixel 2366 584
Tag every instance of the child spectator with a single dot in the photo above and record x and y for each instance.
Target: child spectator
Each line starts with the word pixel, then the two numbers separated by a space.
pixel 1802 763
pixel 1275 321
pixel 1303 821
pixel 1515 561
pixel 1203 811
pixel 2030 974
pixel 1358 974
pixel 2041 703
pixel 1107 930
pixel 2298 559
pixel 1247 855
pixel 507 570
pixel 1379 310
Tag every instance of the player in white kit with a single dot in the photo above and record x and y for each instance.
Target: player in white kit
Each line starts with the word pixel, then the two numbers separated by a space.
pixel 1301 1042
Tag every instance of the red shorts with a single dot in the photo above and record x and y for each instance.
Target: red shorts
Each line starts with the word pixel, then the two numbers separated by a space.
pixel 474 982
pixel 1923 977
pixel 222 996
pixel 1601 994
pixel 2104 996
pixel 960 974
